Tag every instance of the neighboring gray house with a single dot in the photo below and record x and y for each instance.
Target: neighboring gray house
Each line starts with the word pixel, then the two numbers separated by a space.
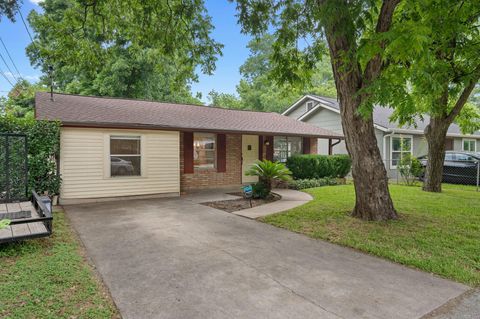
pixel 325 113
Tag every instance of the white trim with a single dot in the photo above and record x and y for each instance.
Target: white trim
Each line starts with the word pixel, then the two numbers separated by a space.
pixel 316 107
pixel 291 108
pixel 420 132
pixel 401 136
pixel 309 105
pixel 324 103
pixel 107 173
pixel 469 140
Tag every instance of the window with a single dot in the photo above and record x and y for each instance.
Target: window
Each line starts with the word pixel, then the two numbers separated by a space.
pixel 464 157
pixel 204 146
pixel 469 145
pixel 400 145
pixel 125 156
pixel 309 106
pixel 284 147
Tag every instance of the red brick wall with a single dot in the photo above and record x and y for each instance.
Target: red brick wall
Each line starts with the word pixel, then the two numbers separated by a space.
pixel 202 178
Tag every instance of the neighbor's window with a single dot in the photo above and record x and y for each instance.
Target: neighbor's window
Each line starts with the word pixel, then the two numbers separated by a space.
pixel 309 105
pixel 125 156
pixel 469 145
pixel 401 145
pixel 204 146
pixel 284 147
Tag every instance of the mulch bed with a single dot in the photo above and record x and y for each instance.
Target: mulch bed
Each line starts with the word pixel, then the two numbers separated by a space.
pixel 233 205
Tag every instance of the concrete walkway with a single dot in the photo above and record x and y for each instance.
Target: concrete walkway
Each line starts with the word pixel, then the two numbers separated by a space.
pixel 175 258
pixel 290 199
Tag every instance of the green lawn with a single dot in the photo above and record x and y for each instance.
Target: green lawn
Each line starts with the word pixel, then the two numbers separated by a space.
pixel 49 278
pixel 438 233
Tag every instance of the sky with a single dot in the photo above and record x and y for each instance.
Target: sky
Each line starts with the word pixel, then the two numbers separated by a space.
pixel 227 32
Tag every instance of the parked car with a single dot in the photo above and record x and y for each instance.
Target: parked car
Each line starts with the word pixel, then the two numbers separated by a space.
pixel 121 167
pixel 458 167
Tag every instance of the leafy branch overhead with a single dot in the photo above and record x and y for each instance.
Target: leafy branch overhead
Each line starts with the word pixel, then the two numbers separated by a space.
pixel 124 48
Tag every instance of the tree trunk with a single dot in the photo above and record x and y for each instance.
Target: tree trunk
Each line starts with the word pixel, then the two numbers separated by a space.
pixel 372 200
pixel 435 132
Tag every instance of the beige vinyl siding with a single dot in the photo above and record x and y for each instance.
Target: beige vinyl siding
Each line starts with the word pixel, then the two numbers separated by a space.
pixel 85 164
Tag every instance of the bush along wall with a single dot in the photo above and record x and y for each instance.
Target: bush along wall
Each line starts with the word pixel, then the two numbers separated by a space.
pixel 43 140
pixel 312 166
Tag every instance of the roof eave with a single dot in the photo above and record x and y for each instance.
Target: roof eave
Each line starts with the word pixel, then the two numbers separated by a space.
pixel 189 129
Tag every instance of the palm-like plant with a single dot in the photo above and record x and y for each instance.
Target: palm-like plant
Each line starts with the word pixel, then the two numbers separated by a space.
pixel 268 171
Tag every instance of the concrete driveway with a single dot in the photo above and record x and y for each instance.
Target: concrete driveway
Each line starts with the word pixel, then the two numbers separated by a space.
pixel 174 258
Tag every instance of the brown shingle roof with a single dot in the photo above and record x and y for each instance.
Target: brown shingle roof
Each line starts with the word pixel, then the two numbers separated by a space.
pixel 79 110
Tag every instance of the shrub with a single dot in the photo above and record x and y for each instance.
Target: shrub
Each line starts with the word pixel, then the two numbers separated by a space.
pixel 341 165
pixel 43 138
pixel 268 171
pixel 410 168
pixel 311 183
pixel 312 166
pixel 260 190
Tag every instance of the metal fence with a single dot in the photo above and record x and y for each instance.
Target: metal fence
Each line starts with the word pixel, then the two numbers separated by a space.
pixel 464 174
pixel 13 167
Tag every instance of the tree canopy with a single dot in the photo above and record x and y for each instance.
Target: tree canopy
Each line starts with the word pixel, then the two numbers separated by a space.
pixel 259 90
pixel 137 49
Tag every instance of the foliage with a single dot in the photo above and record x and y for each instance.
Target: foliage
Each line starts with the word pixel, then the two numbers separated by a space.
pixel 43 138
pixel 50 278
pixel 356 34
pixel 258 90
pixel 260 190
pixel 440 64
pixel 437 232
pixel 224 100
pixel 268 172
pixel 410 168
pixel 4 223
pixel 313 166
pixel 9 8
pixel 469 118
pixel 21 99
pixel 311 183
pixel 135 49
pixel 341 164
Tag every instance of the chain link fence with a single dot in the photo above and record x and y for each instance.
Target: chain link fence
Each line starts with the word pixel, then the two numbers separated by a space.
pixel 462 174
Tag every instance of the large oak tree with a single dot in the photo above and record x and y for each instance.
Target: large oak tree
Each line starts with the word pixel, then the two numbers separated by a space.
pixel 356 34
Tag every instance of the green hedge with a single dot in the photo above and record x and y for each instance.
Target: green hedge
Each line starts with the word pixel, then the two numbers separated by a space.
pixel 311 183
pixel 313 166
pixel 43 138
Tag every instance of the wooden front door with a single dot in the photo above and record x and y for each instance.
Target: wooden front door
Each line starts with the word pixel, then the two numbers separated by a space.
pixel 249 156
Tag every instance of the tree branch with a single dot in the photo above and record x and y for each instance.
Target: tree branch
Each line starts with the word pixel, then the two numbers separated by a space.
pixel 384 22
pixel 464 96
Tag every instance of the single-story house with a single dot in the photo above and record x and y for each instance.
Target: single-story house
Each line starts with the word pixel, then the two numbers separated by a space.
pixel 324 112
pixel 112 147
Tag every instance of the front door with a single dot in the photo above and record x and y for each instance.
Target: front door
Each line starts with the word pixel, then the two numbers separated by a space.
pixel 249 156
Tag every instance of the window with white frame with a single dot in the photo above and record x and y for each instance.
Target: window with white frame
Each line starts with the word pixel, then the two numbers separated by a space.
pixel 125 156
pixel 286 146
pixel 469 145
pixel 309 106
pixel 400 145
pixel 204 148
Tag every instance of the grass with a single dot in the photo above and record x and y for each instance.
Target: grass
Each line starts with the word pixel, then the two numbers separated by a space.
pixel 50 278
pixel 436 232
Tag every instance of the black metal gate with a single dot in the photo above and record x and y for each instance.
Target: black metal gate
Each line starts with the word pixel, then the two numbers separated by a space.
pixel 13 168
